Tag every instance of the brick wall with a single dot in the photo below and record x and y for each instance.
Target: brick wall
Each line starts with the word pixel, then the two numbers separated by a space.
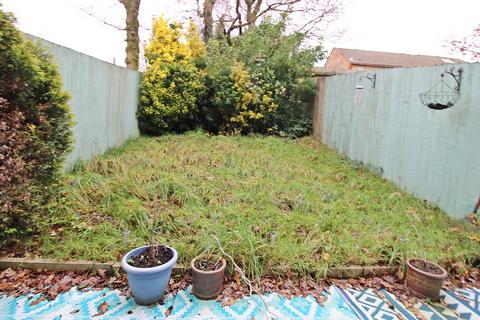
pixel 337 62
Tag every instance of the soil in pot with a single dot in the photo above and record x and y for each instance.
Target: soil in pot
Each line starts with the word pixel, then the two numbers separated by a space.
pixel 426 266
pixel 151 257
pixel 208 263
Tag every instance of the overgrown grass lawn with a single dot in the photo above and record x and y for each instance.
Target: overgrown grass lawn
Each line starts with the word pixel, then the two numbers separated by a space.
pixel 325 210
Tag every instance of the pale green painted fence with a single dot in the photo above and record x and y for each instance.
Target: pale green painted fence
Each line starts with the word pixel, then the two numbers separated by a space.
pixel 434 155
pixel 104 101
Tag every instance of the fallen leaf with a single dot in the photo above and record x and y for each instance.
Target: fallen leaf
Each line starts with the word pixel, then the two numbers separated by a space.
pixel 237 278
pixel 168 311
pixel 102 272
pixel 53 292
pixel 473 219
pixel 321 299
pixel 474 237
pixel 37 301
pixel 102 308
pixel 82 285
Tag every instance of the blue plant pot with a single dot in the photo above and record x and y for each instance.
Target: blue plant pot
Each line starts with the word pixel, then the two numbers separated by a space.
pixel 148 284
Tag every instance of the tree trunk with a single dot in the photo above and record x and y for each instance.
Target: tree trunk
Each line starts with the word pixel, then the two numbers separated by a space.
pixel 131 26
pixel 254 14
pixel 208 19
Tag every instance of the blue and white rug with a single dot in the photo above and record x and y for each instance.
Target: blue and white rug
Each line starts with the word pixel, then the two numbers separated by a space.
pixel 457 304
pixel 84 305
pixel 342 304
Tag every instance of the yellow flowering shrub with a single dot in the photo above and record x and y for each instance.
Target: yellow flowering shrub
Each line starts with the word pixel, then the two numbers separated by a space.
pixel 253 101
pixel 172 82
pixel 165 44
pixel 195 44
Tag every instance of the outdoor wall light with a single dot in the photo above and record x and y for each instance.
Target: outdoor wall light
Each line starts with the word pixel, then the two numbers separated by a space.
pixel 372 77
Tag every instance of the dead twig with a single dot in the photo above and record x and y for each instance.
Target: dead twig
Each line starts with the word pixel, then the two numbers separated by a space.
pixel 251 287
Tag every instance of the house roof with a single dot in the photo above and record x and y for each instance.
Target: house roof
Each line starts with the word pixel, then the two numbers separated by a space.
pixel 390 60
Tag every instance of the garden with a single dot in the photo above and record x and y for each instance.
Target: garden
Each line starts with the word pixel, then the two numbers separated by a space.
pixel 225 168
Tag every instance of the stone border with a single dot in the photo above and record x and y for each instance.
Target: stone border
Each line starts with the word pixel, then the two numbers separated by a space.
pixel 77 266
pixel 53 265
pixel 80 266
pixel 359 271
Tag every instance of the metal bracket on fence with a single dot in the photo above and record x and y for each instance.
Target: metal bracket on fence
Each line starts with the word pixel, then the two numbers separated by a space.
pixel 372 77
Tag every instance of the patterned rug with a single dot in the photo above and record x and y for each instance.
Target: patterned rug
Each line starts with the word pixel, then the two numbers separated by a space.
pixel 457 304
pixel 342 304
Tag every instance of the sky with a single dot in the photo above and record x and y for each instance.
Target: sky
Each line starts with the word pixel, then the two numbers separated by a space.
pixel 404 26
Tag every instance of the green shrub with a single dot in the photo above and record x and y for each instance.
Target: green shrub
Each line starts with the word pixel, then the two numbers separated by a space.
pixel 271 96
pixel 35 130
pixel 216 106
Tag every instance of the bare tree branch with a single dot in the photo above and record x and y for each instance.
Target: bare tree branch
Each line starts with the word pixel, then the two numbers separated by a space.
pixel 307 16
pixel 102 20
pixel 239 16
pixel 469 46
pixel 276 6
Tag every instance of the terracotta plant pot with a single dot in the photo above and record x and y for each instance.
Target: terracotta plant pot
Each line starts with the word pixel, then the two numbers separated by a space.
pixel 207 284
pixel 425 278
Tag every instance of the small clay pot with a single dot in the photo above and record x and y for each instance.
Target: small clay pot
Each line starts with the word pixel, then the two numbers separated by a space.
pixel 425 284
pixel 207 284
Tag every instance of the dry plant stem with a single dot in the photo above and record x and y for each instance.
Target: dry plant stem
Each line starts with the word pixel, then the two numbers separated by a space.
pixel 154 209
pixel 203 263
pixel 218 261
pixel 247 281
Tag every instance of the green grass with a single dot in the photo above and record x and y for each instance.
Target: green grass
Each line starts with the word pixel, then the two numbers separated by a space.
pixel 325 210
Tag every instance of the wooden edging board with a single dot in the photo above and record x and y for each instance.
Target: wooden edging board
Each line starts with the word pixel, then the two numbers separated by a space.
pixel 80 266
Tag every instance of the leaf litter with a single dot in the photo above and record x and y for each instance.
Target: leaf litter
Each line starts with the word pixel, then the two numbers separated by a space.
pixel 49 284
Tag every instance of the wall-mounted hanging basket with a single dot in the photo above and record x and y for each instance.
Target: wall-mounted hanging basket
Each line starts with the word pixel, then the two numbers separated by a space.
pixel 442 95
